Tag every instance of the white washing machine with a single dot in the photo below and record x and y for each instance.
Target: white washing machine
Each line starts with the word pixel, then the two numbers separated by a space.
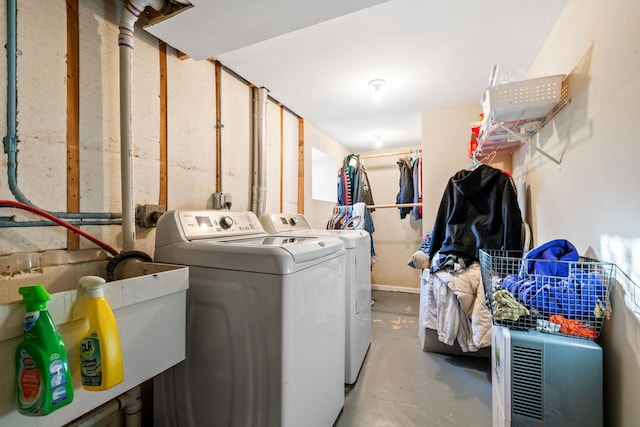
pixel 265 324
pixel 357 282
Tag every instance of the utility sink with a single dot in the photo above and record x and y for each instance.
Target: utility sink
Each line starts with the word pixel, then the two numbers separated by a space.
pixel 149 305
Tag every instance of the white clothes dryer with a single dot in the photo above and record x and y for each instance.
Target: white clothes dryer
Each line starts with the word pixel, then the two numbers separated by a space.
pixel 265 324
pixel 357 282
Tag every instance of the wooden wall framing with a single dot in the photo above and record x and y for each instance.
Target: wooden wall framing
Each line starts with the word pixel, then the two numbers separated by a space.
pixel 73 116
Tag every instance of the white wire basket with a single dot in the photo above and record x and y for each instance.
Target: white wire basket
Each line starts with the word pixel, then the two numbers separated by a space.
pixel 572 300
pixel 523 99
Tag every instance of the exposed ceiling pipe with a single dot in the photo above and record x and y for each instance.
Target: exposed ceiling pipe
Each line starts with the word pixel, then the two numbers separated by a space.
pixel 259 193
pixel 130 15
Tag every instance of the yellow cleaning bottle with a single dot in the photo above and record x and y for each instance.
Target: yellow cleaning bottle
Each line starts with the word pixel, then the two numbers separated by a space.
pixel 101 364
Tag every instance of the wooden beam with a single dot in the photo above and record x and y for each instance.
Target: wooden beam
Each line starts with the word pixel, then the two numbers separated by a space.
pixel 300 165
pixel 181 55
pixel 163 196
pixel 281 159
pixel 73 117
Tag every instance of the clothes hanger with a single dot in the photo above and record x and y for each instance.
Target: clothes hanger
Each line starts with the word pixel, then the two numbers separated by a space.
pixel 474 161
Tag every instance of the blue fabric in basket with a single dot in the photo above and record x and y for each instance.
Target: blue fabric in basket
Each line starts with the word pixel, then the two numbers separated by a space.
pixel 555 250
pixel 554 288
pixel 574 297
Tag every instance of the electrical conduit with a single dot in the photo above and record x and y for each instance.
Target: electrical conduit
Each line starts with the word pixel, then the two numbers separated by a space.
pixel 11 139
pixel 259 192
pixel 30 208
pixel 130 15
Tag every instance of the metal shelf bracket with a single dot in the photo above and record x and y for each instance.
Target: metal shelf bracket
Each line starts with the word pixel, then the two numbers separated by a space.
pixel 527 140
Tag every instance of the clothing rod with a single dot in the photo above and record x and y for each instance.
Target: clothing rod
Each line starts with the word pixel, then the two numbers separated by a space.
pixel 399 153
pixel 399 205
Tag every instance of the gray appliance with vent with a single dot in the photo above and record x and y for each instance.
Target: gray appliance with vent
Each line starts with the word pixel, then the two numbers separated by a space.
pixel 541 379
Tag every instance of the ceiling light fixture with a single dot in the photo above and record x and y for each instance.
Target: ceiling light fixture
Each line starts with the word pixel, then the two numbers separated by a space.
pixel 378 142
pixel 377 84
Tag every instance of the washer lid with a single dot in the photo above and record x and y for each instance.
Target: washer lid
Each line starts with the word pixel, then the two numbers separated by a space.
pixel 301 248
pixel 350 238
pixel 258 254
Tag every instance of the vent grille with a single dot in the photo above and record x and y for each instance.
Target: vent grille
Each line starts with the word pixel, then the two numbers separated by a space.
pixel 527 382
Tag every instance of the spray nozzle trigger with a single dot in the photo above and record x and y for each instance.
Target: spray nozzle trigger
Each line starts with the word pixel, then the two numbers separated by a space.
pixel 94 285
pixel 35 297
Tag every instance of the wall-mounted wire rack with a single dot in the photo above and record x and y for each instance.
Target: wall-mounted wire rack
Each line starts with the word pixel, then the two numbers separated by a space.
pixel 514 112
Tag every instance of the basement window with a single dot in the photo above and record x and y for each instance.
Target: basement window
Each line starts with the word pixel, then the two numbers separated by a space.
pixel 324 170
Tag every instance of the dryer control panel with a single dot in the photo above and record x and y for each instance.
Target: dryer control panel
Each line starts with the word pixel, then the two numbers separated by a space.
pixel 284 222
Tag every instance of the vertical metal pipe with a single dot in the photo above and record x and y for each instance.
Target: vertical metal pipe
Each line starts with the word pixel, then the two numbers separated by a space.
pixel 126 151
pixel 130 15
pixel 260 151
pixel 254 154
pixel 11 139
pixel 218 129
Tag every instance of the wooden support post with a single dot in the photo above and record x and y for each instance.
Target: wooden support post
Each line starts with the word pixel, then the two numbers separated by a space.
pixel 73 117
pixel 300 165
pixel 163 192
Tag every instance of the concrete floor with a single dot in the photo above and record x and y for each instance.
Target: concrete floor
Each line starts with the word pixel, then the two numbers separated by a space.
pixel 402 386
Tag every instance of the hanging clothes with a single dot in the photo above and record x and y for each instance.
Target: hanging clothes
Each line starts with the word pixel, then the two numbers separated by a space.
pixel 405 193
pixel 354 188
pixel 416 167
pixel 350 217
pixel 479 209
pixel 353 182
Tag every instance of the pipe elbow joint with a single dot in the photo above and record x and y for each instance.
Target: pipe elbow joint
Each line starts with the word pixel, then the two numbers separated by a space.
pixel 134 8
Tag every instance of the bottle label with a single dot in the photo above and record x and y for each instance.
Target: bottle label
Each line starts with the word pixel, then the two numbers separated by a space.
pixel 90 360
pixel 30 319
pixel 57 380
pixel 29 387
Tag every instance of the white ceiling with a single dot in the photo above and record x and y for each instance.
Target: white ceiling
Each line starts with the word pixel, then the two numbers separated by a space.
pixel 317 57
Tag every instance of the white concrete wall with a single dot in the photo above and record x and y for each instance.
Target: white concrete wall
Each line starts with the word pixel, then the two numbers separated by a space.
pixel 191 133
pixel 41 117
pixel 592 198
pixel 236 116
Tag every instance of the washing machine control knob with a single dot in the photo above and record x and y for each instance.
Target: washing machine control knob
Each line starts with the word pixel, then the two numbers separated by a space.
pixel 226 222
pixel 292 221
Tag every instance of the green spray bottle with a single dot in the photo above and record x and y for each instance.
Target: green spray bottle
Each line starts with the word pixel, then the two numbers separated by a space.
pixel 43 380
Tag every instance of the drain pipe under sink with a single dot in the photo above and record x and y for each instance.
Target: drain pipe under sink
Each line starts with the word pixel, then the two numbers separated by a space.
pixel 129 402
pixel 130 15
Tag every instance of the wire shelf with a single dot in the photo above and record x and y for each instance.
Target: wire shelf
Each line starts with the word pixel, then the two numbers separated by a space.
pixel 557 297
